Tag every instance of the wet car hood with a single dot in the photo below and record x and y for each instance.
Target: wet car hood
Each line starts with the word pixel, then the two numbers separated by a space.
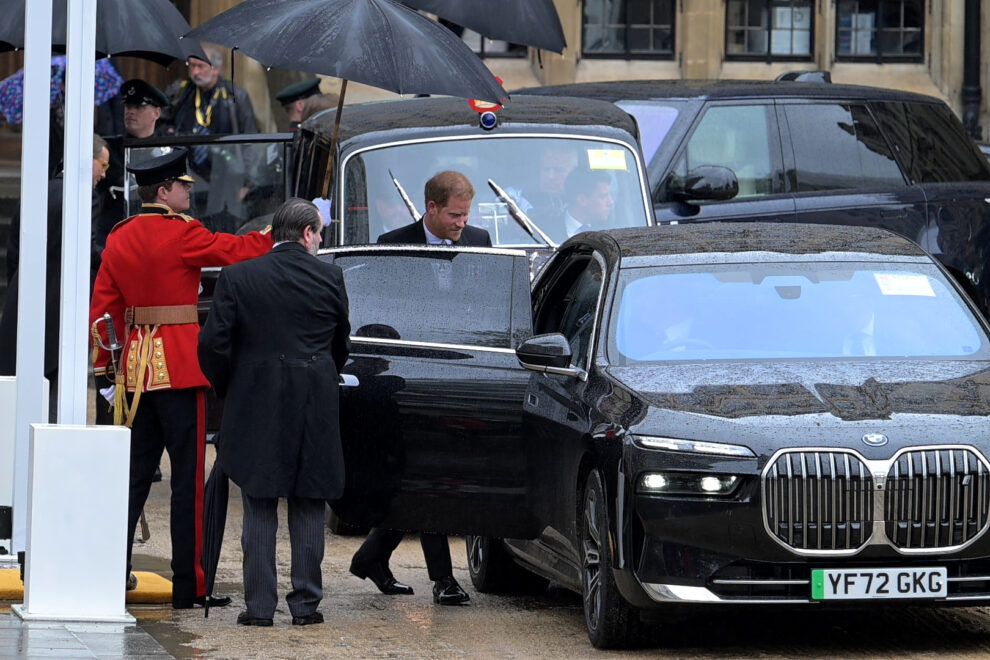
pixel 813 402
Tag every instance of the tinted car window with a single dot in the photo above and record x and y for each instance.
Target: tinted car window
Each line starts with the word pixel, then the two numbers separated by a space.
pixel 737 137
pixel 409 292
pixel 838 146
pixel 654 120
pixel 580 305
pixel 779 311
pixel 931 144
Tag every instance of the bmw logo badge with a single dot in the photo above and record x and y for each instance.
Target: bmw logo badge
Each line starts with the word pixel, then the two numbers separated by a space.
pixel 875 439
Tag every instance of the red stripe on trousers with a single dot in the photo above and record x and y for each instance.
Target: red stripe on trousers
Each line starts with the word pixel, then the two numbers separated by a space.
pixel 198 505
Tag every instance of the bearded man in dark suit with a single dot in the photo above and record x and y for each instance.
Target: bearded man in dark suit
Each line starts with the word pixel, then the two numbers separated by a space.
pixel 448 206
pixel 273 346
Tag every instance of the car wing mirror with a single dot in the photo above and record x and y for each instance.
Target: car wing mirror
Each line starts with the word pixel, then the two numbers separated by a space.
pixel 550 353
pixel 706 182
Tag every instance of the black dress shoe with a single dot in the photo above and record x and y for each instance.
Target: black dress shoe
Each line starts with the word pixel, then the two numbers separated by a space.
pixel 245 619
pixel 446 591
pixel 383 579
pixel 309 619
pixel 131 582
pixel 189 603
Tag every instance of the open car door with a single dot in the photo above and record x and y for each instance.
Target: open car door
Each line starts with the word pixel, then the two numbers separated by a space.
pixel 431 411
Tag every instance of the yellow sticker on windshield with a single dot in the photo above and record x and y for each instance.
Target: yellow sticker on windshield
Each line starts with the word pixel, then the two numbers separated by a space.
pixel 902 284
pixel 607 159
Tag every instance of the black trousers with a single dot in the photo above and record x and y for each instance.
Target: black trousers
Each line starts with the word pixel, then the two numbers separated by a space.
pixel 174 421
pixel 381 543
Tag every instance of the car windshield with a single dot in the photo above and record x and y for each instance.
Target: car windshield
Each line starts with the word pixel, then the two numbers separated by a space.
pixel 790 310
pixel 565 185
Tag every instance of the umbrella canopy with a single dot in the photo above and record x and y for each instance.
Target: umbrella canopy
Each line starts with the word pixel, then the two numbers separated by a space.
pixel 527 22
pixel 216 494
pixel 149 29
pixel 106 78
pixel 376 42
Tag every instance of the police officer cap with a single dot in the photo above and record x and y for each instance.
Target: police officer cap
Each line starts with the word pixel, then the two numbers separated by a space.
pixel 299 90
pixel 138 92
pixel 162 169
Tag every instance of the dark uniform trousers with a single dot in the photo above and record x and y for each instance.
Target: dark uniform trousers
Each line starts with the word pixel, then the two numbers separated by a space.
pixel 174 421
pixel 378 548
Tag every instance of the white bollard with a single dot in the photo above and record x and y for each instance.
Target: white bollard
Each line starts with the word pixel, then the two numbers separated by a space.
pixel 8 404
pixel 75 568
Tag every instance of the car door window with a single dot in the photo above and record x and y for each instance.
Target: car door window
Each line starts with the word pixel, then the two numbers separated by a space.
pixel 931 145
pixel 838 146
pixel 572 306
pixel 431 295
pixel 737 137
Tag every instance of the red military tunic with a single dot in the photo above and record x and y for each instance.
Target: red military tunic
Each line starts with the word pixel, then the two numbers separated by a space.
pixel 151 260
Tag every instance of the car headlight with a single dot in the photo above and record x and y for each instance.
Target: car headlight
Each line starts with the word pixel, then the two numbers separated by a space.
pixel 688 483
pixel 696 446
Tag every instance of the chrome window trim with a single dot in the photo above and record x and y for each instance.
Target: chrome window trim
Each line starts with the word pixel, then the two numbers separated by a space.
pixel 430 344
pixel 879 469
pixel 633 148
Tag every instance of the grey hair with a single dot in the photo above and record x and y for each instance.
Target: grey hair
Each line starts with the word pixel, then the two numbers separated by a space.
pixel 99 144
pixel 292 217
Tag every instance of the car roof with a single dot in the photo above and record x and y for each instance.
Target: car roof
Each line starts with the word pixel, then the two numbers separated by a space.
pixel 443 112
pixel 708 238
pixel 642 90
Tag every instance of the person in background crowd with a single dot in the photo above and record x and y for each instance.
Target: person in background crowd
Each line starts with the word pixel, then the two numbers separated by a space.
pixel 53 280
pixel 317 103
pixel 280 434
pixel 206 103
pixel 448 204
pixel 293 96
pixel 149 284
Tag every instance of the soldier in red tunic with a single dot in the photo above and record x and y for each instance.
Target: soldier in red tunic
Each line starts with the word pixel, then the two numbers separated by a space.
pixel 149 283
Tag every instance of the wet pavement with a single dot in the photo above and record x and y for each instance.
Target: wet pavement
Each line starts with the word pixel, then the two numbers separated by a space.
pixel 362 623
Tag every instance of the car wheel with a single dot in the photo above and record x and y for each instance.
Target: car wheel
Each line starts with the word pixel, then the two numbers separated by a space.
pixel 493 570
pixel 611 621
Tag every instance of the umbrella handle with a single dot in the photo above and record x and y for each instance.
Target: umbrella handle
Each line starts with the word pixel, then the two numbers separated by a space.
pixel 333 140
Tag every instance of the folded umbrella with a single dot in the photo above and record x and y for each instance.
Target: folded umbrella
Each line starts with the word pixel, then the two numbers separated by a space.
pixel 216 495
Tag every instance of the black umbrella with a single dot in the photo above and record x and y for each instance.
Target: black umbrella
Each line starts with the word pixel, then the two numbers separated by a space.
pixel 149 29
pixel 216 494
pixel 376 42
pixel 527 22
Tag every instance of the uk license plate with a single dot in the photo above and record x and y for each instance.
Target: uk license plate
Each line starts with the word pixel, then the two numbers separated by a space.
pixel 869 583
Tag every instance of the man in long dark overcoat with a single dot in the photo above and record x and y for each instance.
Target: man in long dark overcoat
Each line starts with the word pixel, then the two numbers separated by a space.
pixel 273 346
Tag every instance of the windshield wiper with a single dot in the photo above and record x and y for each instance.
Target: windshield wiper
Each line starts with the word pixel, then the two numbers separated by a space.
pixel 405 198
pixel 519 216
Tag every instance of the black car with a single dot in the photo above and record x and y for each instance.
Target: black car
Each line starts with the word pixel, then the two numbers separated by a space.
pixel 719 413
pixel 789 151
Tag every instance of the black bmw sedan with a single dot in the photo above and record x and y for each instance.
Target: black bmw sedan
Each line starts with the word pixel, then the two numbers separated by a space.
pixel 718 413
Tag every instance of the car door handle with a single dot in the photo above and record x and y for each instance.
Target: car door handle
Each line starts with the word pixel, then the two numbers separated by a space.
pixel 348 380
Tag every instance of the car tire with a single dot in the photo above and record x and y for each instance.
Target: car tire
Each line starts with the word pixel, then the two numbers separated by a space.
pixel 493 570
pixel 611 621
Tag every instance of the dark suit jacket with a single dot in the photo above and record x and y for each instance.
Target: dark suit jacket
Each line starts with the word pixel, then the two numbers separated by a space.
pixel 415 234
pixel 272 346
pixel 53 287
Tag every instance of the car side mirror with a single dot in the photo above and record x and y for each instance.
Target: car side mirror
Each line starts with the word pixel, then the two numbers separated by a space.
pixel 550 353
pixel 706 182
